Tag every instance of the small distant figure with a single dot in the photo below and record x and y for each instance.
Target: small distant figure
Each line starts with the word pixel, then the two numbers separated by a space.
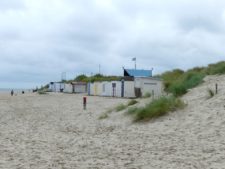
pixel 23 92
pixel 12 92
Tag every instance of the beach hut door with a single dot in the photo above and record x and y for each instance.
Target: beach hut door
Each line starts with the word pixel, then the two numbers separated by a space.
pixel 122 88
pixel 113 89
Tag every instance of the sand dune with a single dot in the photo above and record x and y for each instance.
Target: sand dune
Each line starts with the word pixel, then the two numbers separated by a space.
pixel 52 131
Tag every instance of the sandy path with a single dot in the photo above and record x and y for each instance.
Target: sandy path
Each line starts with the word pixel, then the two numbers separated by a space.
pixel 52 131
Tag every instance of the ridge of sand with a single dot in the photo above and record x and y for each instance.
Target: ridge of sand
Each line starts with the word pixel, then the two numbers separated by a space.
pixel 52 131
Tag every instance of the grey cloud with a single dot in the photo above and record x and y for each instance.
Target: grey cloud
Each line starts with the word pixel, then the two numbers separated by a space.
pixel 45 38
pixel 11 5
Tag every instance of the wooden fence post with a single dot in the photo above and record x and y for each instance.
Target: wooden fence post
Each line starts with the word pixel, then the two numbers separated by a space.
pixel 216 88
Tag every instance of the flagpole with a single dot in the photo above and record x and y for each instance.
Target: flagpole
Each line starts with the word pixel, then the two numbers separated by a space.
pixel 134 59
pixel 135 63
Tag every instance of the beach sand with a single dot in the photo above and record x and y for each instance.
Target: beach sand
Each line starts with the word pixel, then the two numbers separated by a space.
pixel 54 132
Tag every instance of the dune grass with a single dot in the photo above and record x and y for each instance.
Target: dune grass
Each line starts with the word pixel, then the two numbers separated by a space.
pixel 120 107
pixel 132 111
pixel 156 108
pixel 132 102
pixel 188 81
pixel 103 116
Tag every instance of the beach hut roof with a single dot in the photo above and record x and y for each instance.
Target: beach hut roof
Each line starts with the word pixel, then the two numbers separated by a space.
pixel 137 73
pixel 78 83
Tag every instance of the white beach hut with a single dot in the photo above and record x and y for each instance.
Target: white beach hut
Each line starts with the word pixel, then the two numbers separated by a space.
pixel 128 89
pixel 95 89
pixel 106 88
pixel 56 87
pixel 116 88
pixel 111 88
pixel 68 88
pixel 79 87
pixel 149 85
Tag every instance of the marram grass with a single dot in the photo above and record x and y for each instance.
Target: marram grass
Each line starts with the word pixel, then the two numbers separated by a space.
pixel 132 102
pixel 156 108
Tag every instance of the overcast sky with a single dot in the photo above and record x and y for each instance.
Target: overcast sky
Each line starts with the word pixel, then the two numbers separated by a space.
pixel 40 39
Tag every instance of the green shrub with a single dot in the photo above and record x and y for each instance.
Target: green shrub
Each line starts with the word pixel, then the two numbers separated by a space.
pixel 120 107
pixel 171 77
pixel 178 89
pixel 156 108
pixel 192 79
pixel 184 82
pixel 132 102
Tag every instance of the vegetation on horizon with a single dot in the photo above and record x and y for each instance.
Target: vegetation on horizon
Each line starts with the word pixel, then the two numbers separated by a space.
pixel 94 78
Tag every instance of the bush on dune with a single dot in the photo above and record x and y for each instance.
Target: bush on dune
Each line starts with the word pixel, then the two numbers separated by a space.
pixel 188 81
pixel 179 83
pixel 156 108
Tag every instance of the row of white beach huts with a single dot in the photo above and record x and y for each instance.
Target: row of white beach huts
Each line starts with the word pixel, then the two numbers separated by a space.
pixel 135 83
pixel 74 87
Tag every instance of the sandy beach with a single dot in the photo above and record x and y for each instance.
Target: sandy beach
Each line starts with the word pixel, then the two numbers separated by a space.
pixel 54 132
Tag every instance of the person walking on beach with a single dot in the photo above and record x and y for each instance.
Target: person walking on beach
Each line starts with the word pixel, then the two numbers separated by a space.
pixel 12 92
